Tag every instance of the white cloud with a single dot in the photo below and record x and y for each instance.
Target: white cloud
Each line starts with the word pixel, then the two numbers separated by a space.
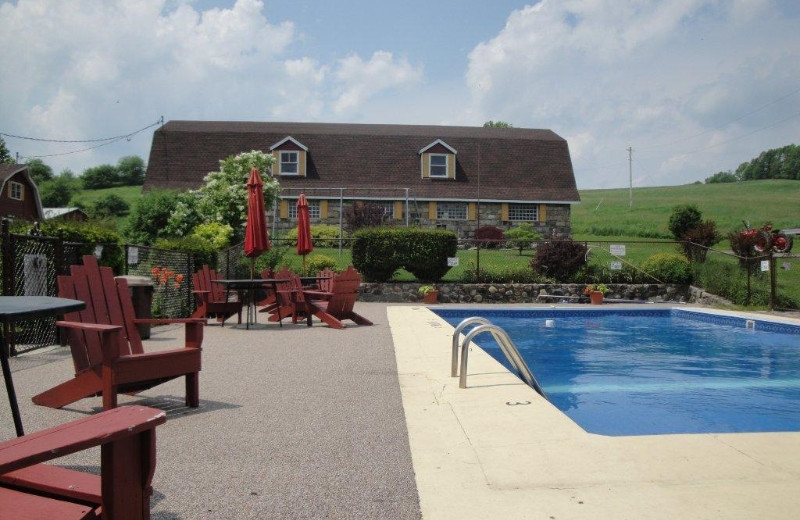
pixel 359 80
pixel 95 69
pixel 645 74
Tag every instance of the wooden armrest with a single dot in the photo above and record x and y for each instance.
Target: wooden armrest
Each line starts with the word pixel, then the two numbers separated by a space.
pixel 96 327
pixel 102 428
pixel 167 321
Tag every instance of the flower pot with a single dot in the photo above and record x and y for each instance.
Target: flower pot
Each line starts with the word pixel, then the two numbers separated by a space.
pixel 596 297
pixel 431 297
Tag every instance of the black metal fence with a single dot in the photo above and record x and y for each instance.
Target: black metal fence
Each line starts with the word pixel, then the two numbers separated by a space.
pixel 30 264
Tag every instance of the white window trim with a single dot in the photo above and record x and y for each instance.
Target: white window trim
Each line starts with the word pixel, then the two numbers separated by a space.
pixel 314 209
pixel 15 187
pixel 533 207
pixel 295 173
pixel 441 206
pixel 446 165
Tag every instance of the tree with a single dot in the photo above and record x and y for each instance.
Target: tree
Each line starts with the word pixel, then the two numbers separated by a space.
pixel 497 124
pixel 58 192
pixel 684 218
pixel 721 177
pixel 149 217
pixel 5 155
pixel 110 206
pixel 522 236
pixel 223 197
pixel 39 171
pixel 131 170
pixel 100 177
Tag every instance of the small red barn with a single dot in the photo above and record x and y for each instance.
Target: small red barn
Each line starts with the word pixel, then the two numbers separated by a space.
pixel 19 197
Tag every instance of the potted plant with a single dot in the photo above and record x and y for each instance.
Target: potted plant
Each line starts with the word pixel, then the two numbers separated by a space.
pixel 595 292
pixel 429 293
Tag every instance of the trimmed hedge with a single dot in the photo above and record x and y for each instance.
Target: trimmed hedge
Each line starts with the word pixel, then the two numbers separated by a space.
pixel 379 252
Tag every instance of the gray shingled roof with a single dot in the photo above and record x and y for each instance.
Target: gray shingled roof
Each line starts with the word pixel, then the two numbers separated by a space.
pixel 514 164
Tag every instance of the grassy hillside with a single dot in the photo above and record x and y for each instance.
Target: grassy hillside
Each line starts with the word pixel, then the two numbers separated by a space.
pixel 88 197
pixel 606 213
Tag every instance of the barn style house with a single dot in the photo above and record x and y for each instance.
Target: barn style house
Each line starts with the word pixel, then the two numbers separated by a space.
pixel 456 178
pixel 19 196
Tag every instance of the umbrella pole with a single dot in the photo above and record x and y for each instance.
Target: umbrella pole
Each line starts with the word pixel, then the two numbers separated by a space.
pixel 304 265
pixel 252 267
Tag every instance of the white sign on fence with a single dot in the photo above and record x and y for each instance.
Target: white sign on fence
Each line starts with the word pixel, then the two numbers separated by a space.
pixel 35 280
pixel 764 266
pixel 618 249
pixel 616 266
pixel 452 261
pixel 133 256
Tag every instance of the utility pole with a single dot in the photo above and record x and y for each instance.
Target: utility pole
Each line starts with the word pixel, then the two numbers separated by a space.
pixel 630 178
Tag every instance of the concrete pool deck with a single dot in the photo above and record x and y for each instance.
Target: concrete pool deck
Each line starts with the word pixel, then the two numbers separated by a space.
pixel 366 423
pixel 498 450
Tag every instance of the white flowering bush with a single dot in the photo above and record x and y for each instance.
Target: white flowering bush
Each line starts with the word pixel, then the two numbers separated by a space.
pixel 223 198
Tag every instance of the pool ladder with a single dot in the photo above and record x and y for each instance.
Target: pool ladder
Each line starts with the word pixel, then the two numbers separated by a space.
pixel 506 345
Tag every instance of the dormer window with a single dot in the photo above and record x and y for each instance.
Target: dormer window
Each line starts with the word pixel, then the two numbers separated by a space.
pixel 290 157
pixel 438 161
pixel 438 165
pixel 288 163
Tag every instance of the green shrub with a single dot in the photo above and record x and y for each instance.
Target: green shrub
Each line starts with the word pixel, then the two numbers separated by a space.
pixel 560 260
pixel 668 268
pixel 684 218
pixel 503 274
pixel 322 235
pixel 201 249
pixel 317 263
pixel 270 259
pixel 217 235
pixel 523 236
pixel 379 252
pixel 89 235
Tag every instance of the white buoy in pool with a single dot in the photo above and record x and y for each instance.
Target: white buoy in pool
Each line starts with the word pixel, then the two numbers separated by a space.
pixel 549 323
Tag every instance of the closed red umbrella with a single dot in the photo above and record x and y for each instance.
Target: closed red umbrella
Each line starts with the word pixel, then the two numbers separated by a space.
pixel 304 244
pixel 256 234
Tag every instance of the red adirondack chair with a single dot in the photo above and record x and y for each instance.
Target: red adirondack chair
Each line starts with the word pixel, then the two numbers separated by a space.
pixel 286 302
pixel 107 350
pixel 126 436
pixel 212 298
pixel 338 304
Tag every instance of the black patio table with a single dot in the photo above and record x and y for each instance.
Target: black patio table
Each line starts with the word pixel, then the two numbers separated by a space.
pixel 21 308
pixel 249 286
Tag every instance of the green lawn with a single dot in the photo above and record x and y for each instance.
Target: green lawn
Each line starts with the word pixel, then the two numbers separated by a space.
pixel 607 212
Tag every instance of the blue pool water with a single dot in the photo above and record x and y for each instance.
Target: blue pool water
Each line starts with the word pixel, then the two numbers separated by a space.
pixel 630 372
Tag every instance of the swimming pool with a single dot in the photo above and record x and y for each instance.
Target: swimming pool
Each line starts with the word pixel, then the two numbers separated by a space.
pixel 656 371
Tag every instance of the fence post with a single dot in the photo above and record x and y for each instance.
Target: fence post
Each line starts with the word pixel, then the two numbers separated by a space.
pixel 8 269
pixel 773 283
pixel 189 271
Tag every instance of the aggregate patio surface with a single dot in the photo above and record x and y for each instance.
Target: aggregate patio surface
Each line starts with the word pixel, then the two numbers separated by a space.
pixel 294 422
pixel 365 423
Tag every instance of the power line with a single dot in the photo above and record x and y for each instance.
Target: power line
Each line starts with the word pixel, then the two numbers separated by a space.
pixel 103 139
pixel 718 127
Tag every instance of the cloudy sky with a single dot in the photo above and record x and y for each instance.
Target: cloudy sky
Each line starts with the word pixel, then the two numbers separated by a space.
pixel 693 86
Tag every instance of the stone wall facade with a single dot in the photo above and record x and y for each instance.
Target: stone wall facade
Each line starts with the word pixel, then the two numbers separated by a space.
pixel 556 223
pixel 524 293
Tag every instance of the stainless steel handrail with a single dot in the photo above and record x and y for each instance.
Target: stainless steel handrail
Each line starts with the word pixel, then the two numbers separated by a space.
pixel 456 333
pixel 506 345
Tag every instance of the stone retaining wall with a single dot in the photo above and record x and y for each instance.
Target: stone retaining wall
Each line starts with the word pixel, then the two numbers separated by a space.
pixel 522 293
